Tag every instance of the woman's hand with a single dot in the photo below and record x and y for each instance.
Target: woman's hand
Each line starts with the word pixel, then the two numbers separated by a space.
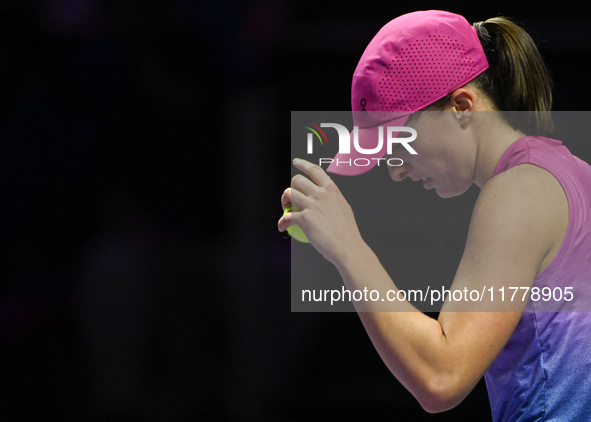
pixel 325 216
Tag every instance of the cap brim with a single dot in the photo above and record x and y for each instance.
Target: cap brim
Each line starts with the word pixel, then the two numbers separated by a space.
pixel 356 163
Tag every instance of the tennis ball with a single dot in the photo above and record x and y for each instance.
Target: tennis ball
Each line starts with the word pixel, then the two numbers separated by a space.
pixel 295 231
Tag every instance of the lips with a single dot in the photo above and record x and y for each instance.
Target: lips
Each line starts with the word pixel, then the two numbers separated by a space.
pixel 427 183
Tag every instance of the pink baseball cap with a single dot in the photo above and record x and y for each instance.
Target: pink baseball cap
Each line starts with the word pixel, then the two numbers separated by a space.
pixel 413 61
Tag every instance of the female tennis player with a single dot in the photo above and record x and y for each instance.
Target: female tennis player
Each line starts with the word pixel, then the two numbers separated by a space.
pixel 530 227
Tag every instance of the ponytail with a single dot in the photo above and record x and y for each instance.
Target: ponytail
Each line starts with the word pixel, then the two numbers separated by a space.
pixel 517 78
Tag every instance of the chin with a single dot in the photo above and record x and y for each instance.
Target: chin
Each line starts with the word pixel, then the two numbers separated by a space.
pixel 445 194
pixel 450 193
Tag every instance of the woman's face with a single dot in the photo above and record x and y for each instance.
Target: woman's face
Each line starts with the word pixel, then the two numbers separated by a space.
pixel 446 156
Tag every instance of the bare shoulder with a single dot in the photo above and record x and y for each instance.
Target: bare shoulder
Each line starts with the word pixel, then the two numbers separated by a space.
pixel 523 206
pixel 529 177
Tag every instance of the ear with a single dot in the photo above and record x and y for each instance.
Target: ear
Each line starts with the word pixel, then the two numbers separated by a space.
pixel 463 103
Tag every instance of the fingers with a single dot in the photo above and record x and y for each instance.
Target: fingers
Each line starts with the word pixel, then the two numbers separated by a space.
pixel 304 186
pixel 316 173
pixel 296 198
pixel 320 182
pixel 299 199
pixel 302 183
pixel 301 188
pixel 285 198
pixel 284 222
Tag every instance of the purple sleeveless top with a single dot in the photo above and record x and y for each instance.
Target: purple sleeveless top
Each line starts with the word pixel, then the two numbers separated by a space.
pixel 544 371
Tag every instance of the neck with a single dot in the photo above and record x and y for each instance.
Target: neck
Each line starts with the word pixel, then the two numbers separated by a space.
pixel 492 144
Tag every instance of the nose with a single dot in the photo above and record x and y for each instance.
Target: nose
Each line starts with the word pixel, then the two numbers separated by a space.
pixel 398 173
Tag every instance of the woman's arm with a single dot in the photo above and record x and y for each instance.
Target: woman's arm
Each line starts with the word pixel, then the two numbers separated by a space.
pixel 517 226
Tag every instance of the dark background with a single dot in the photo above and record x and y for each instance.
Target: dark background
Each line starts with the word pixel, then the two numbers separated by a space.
pixel 144 149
